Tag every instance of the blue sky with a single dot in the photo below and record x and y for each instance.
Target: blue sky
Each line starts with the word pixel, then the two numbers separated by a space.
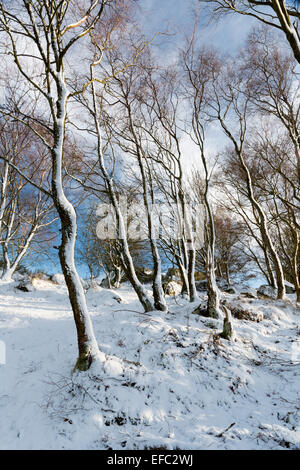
pixel 177 16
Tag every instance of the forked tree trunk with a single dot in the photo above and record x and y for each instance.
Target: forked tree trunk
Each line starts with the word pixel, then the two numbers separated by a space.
pixel 213 302
pixel 129 269
pixel 10 267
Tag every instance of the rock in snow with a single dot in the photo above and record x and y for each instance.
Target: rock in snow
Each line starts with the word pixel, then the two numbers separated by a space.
pixel 58 279
pixel 244 312
pixel 172 288
pixel 25 285
pixel 267 292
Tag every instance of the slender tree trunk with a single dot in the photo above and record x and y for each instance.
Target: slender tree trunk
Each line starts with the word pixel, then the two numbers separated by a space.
pixel 158 293
pixel 109 281
pixel 191 275
pixel 87 344
pixel 7 271
pixel 263 225
pixel 213 301
pixel 289 29
pixel 269 244
pixel 148 197
pixel 271 279
pixel 118 277
pixel 212 289
pixel 227 274
pixel 3 195
pixel 126 257
pixel 295 263
pixel 184 278
pixel 188 247
pixel 9 268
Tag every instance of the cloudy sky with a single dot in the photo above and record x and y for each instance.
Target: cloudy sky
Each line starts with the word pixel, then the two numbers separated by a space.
pixel 177 16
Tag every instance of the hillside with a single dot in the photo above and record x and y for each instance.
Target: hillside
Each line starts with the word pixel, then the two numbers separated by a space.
pixel 162 380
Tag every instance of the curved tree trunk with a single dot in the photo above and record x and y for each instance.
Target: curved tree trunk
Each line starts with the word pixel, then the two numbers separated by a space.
pixel 87 344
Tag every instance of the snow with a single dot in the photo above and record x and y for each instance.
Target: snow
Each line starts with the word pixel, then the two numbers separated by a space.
pixel 161 379
pixel 59 279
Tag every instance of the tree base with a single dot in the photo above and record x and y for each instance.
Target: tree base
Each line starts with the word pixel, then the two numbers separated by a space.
pixel 206 312
pixel 84 362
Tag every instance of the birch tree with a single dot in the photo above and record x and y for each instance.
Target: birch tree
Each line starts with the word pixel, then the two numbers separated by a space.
pixel 24 210
pixel 163 112
pixel 229 105
pixel 51 30
pixel 201 69
pixel 128 131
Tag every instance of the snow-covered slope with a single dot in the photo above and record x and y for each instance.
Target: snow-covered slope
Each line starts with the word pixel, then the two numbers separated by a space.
pixel 165 380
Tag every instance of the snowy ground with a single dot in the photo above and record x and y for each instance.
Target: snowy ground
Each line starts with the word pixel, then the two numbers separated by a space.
pixel 166 381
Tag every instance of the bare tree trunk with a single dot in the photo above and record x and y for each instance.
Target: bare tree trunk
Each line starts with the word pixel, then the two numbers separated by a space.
pixel 158 293
pixel 136 284
pixel 118 277
pixel 7 272
pixel 184 278
pixel 263 225
pixel 213 301
pixel 126 257
pixel 44 25
pixel 148 197
pixel 271 279
pixel 191 275
pixel 227 274
pixel 212 289
pixel 295 262
pixel 10 268
pixel 87 344
pixel 188 247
